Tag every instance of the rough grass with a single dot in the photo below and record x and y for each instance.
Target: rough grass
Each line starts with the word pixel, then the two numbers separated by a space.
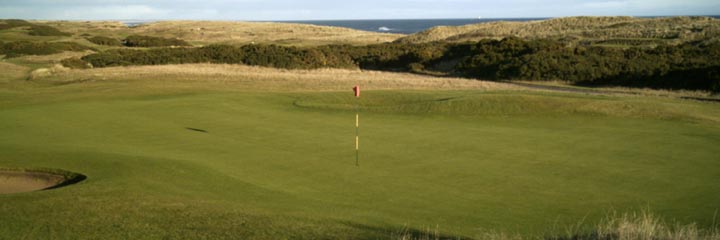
pixel 267 79
pixel 33 29
pixel 210 32
pixel 464 103
pixel 248 32
pixel 10 72
pixel 641 226
pixel 628 226
pixel 18 34
pixel 629 30
pixel 25 48
pixel 51 58
pixel 626 90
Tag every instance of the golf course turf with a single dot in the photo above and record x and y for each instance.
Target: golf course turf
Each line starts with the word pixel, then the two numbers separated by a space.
pixel 219 163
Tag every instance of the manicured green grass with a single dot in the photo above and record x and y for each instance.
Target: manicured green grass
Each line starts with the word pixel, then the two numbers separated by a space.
pixel 222 164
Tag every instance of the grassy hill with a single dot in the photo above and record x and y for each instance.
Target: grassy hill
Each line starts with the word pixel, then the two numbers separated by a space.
pixel 261 32
pixel 621 31
pixel 226 32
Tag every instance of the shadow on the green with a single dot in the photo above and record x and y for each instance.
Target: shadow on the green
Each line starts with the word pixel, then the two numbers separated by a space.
pixel 197 130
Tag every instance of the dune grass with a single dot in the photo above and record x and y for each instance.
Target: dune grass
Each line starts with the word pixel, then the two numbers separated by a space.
pixel 227 32
pixel 252 156
pixel 206 32
pixel 636 225
pixel 251 78
pixel 607 31
pixel 12 72
pixel 642 226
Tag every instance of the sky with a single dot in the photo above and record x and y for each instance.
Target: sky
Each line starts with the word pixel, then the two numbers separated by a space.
pixel 258 10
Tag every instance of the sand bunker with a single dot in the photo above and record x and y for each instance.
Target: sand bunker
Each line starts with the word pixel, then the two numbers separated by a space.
pixel 15 181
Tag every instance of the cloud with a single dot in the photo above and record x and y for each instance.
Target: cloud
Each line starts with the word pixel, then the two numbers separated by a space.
pixel 116 11
pixel 605 4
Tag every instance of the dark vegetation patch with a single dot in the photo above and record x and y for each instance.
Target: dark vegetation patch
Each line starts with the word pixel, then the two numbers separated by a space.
pixel 13 23
pixel 148 41
pixel 106 41
pixel 259 55
pixel 631 42
pixel 686 66
pixel 34 29
pixel 75 63
pixel 692 65
pixel 21 48
pixel 43 30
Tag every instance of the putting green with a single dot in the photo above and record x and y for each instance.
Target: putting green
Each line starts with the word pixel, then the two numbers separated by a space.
pixel 216 164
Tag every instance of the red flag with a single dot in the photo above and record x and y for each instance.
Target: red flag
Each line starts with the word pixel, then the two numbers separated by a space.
pixel 356 89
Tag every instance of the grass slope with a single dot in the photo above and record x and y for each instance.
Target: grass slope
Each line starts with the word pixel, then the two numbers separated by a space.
pixel 606 31
pixel 207 32
pixel 166 159
pixel 11 72
pixel 225 32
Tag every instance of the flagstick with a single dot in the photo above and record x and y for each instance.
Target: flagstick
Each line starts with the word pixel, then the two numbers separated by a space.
pixel 356 89
pixel 357 133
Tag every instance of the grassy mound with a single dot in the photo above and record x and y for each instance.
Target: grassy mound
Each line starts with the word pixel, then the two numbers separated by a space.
pixel 619 31
pixel 209 32
pixel 249 78
pixel 12 72
pixel 17 49
pixel 13 23
pixel 148 41
pixel 212 32
pixel 33 29
pixel 106 41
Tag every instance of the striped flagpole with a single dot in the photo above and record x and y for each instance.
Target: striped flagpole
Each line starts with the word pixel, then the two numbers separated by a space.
pixel 357 138
pixel 356 89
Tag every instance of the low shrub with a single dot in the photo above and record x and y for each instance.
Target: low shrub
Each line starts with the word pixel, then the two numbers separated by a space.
pixel 258 55
pixel 34 29
pixel 16 49
pixel 148 41
pixel 107 41
pixel 43 30
pixel 75 63
pixel 13 23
